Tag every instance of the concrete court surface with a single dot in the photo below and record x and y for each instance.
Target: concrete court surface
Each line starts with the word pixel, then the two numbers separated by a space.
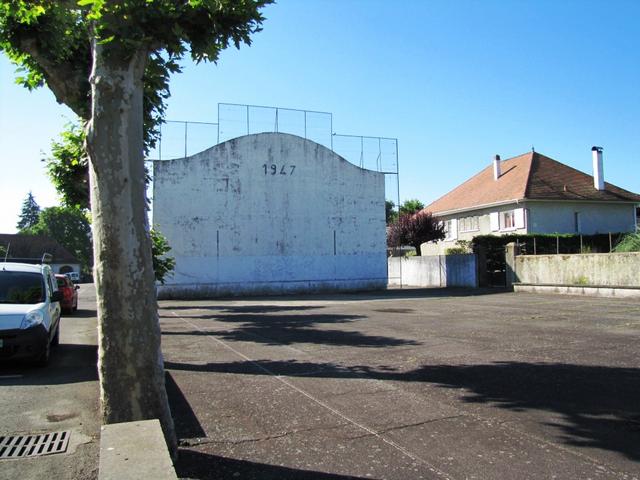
pixel 405 384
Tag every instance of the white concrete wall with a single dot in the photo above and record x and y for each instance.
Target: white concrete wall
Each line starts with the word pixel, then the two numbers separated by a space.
pixel 599 269
pixel 433 271
pixel 270 213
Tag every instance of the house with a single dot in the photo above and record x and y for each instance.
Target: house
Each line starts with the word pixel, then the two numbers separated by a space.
pixel 30 248
pixel 533 193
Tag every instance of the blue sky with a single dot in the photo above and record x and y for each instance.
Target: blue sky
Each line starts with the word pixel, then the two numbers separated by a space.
pixel 456 82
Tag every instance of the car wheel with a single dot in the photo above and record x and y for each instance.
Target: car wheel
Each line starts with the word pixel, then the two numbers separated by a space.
pixel 55 341
pixel 43 359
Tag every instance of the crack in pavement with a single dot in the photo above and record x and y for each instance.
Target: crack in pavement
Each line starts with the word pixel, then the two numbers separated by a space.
pixel 408 425
pixel 197 442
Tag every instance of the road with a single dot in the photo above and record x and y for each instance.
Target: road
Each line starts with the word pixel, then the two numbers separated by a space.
pixel 60 397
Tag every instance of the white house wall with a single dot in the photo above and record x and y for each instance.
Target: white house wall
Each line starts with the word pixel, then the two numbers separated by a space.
pixel 547 217
pixel 270 213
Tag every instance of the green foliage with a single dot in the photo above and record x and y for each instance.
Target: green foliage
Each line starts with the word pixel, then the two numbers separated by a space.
pixel 163 265
pixel 581 280
pixel 411 206
pixel 455 251
pixel 391 214
pixel 68 168
pixel 70 228
pixel 629 243
pixel 29 213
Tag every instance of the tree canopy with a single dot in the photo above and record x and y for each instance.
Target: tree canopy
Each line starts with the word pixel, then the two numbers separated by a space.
pixel 70 228
pixel 29 213
pixel 415 230
pixel 411 206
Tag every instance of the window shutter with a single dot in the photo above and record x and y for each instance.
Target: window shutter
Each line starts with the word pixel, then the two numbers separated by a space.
pixel 454 228
pixel 494 217
pixel 519 217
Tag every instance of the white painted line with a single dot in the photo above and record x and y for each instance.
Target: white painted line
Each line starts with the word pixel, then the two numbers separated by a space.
pixel 370 431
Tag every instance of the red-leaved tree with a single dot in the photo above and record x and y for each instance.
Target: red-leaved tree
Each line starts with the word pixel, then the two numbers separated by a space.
pixel 414 230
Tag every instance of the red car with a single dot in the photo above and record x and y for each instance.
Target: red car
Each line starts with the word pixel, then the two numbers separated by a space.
pixel 69 291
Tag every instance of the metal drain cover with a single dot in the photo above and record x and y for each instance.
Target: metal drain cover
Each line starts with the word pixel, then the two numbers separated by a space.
pixel 18 446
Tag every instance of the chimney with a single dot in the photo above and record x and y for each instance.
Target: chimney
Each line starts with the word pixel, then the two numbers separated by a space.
pixel 598 173
pixel 496 168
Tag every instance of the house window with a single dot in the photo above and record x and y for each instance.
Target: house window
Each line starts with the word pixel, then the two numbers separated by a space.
pixel 451 229
pixel 508 220
pixel 469 224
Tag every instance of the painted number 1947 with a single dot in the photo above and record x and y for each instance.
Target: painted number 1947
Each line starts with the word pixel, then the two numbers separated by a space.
pixel 274 169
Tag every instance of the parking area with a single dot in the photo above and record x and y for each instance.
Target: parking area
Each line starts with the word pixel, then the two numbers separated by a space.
pixel 405 384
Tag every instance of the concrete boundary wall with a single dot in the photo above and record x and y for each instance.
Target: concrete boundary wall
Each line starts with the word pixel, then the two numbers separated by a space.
pixel 434 271
pixel 581 270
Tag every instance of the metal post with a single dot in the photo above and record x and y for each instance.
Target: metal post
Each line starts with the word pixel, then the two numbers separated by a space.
pixel 361 152
pixel 580 243
pixel 305 124
pixel 331 128
pixel 247 119
pixel 557 244
pixel 160 143
pixel 610 243
pixel 276 120
pixel 185 139
pixel 535 251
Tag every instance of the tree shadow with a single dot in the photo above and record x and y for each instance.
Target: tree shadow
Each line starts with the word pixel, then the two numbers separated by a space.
pixel 185 420
pixel 69 363
pixel 293 329
pixel 599 406
pixel 204 466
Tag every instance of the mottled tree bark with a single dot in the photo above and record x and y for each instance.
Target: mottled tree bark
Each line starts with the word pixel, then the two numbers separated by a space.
pixel 130 361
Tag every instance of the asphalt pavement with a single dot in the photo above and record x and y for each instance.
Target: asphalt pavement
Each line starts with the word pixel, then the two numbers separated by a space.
pixel 426 384
pixel 61 397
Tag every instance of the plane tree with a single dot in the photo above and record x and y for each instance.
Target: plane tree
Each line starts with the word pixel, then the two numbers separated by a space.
pixel 94 56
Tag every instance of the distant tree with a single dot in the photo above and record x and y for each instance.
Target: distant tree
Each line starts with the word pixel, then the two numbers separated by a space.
pixel 391 214
pixel 411 206
pixel 29 213
pixel 415 230
pixel 70 227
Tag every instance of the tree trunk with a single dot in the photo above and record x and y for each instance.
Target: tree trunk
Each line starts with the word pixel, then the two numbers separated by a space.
pixel 418 247
pixel 130 360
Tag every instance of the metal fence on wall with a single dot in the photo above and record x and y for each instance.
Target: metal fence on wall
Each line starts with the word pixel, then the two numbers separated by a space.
pixel 180 139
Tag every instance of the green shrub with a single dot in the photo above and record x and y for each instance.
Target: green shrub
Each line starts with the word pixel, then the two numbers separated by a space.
pixel 629 243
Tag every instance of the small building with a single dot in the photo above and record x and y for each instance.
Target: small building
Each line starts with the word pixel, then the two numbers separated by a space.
pixel 31 248
pixel 533 193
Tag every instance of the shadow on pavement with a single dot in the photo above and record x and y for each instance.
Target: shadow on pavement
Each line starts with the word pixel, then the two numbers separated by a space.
pixel 185 420
pixel 292 329
pixel 600 406
pixel 69 363
pixel 391 293
pixel 196 465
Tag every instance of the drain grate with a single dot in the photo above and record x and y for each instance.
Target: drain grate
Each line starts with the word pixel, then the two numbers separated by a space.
pixel 18 446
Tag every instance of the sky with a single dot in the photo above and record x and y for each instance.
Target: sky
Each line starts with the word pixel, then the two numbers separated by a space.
pixel 456 82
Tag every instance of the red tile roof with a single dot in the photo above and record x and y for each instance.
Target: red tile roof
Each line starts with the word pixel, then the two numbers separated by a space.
pixel 33 246
pixel 531 176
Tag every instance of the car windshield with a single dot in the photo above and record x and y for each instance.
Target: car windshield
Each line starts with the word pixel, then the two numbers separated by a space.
pixel 21 287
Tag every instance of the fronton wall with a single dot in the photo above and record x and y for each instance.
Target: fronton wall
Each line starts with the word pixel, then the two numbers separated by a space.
pixel 270 213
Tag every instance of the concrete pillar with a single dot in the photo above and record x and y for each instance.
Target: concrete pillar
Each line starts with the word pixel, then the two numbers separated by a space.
pixel 511 275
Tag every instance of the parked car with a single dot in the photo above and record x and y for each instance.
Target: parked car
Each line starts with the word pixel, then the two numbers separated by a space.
pixel 29 312
pixel 69 302
pixel 73 276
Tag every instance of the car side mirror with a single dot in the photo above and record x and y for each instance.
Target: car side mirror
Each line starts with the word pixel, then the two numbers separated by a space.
pixel 56 296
